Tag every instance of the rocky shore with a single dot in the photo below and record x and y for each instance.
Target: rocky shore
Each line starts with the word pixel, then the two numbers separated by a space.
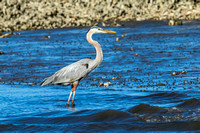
pixel 46 14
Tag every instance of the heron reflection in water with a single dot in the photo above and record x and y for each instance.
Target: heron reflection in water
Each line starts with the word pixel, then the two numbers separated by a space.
pixel 77 71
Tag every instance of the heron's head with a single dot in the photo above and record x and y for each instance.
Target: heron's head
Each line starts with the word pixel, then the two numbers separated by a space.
pixel 96 29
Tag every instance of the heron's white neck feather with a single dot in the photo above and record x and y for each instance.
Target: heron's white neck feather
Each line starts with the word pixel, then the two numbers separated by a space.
pixel 99 52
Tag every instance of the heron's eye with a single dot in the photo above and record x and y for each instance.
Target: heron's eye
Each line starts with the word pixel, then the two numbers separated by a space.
pixel 99 29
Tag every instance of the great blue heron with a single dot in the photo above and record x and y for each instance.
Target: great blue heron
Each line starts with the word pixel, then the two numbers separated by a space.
pixel 75 72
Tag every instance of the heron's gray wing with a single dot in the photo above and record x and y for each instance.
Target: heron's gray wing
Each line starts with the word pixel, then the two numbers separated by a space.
pixel 73 72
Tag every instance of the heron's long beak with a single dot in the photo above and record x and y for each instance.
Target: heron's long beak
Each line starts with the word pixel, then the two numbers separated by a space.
pixel 108 31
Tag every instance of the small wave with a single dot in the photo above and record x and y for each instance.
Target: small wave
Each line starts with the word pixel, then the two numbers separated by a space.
pixel 7 127
pixel 153 117
pixel 168 126
pixel 106 127
pixel 109 115
pixel 81 116
pixel 165 95
pixel 30 128
pixel 190 103
pixel 149 113
pixel 146 108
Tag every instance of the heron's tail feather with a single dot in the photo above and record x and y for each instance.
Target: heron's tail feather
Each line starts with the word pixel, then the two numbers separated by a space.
pixel 47 81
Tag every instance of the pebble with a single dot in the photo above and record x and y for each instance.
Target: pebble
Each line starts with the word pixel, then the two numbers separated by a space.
pixel 33 84
pixel 96 79
pixel 178 73
pixel 117 40
pixel 104 84
pixel 124 35
pixel 46 37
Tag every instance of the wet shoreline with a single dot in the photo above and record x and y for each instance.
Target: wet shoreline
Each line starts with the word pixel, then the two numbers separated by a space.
pixel 29 15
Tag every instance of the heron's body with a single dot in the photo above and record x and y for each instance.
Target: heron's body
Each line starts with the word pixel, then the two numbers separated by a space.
pixel 75 72
pixel 63 76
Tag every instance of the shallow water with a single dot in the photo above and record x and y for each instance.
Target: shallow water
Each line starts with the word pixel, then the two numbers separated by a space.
pixel 157 85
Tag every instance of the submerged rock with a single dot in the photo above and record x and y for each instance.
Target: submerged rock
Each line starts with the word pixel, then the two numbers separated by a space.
pixel 5 35
pixel 160 84
pixel 1 52
pixel 175 22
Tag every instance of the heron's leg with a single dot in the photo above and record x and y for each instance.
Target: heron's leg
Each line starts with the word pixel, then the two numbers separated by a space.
pixel 73 97
pixel 73 89
pixel 69 98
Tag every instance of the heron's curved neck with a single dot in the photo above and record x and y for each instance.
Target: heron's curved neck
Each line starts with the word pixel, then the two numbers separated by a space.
pixel 99 52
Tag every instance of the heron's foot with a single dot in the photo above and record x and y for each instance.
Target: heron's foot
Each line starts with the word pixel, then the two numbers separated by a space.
pixel 73 105
pixel 67 104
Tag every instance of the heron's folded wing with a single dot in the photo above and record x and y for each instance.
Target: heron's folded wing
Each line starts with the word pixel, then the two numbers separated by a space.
pixel 70 73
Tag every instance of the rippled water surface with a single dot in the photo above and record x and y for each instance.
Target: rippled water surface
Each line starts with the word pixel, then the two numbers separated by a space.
pixel 154 72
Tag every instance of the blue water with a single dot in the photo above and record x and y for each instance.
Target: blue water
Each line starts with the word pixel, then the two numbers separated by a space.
pixel 145 96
